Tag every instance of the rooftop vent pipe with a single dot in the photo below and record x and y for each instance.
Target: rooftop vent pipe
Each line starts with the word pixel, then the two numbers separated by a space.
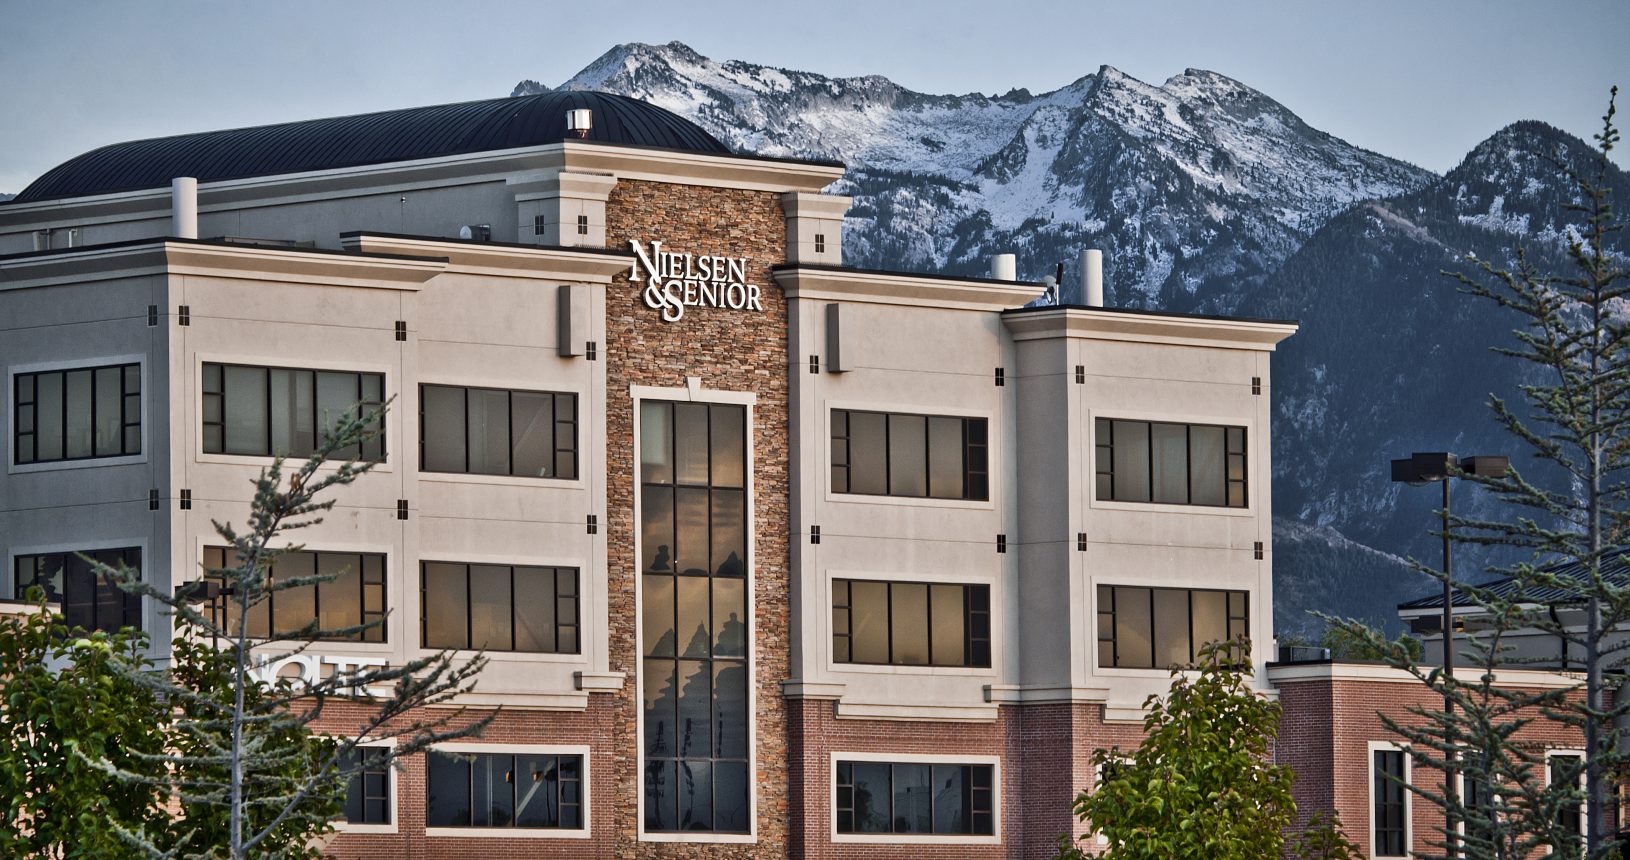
pixel 1092 277
pixel 579 121
pixel 1004 267
pixel 184 207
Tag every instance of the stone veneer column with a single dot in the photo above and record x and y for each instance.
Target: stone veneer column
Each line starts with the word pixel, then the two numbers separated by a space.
pixel 726 350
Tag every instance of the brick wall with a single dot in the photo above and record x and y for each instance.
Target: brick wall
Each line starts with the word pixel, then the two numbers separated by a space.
pixel 1325 736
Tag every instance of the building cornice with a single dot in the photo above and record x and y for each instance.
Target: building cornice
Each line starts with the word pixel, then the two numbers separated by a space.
pixel 1147 327
pixel 586 265
pixel 660 165
pixel 832 283
pixel 170 256
pixel 1299 673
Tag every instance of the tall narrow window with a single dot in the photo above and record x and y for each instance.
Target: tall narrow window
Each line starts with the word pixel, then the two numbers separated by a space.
pixel 1173 464
pixel 495 607
pixel 695 608
pixel 78 414
pixel 267 411
pixel 501 790
pixel 88 601
pixel 1391 829
pixel 921 456
pixel 368 795
pixel 1569 770
pixel 496 431
pixel 353 597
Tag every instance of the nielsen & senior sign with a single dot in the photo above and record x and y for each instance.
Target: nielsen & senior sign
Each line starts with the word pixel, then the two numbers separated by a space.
pixel 676 281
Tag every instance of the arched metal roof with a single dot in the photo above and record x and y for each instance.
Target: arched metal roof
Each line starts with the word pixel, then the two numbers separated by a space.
pixel 373 138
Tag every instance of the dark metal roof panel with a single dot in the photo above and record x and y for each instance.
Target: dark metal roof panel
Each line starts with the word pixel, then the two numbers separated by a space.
pixel 1615 569
pixel 374 138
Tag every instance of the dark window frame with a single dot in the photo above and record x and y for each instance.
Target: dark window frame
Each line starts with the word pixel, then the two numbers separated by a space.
pixel 470 795
pixel 1389 803
pixel 1233 455
pixel 374 449
pixel 980 813
pixel 725 476
pixel 369 611
pixel 130 609
pixel 560 574
pixel 975 455
pixel 557 452
pixel 1570 815
pixel 973 619
pixel 130 413
pixel 370 762
pixel 1108 611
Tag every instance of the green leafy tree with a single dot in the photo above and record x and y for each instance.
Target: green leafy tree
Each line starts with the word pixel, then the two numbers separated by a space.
pixel 1324 839
pixel 1344 644
pixel 65 698
pixel 1203 782
pixel 250 775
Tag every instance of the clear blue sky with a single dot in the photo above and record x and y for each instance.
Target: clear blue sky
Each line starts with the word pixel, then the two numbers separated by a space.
pixel 1422 80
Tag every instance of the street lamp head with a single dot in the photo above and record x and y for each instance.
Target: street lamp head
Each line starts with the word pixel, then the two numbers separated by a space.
pixel 1423 468
pixel 1486 466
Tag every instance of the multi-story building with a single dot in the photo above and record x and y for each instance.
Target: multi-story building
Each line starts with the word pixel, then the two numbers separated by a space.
pixel 771 556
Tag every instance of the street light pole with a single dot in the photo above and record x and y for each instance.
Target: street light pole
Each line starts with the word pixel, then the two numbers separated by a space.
pixel 1441 467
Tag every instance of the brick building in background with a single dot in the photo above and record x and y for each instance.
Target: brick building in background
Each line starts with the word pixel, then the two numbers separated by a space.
pixel 773 557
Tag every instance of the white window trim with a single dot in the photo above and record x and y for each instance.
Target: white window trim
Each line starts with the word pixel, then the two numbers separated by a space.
pixel 580 750
pixel 1252 485
pixel 693 392
pixel 395 432
pixel 1584 803
pixel 10 414
pixel 391 791
pixel 578 390
pixel 993 475
pixel 151 613
pixel 936 578
pixel 417 647
pixel 1409 796
pixel 996 788
pixel 276 649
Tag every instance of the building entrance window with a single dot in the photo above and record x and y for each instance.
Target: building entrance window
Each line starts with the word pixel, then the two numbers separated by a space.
pixel 695 601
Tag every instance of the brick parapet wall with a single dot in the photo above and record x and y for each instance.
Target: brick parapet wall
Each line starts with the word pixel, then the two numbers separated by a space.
pixel 1325 736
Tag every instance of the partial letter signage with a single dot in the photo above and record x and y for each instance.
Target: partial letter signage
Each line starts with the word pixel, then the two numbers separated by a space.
pixel 676 281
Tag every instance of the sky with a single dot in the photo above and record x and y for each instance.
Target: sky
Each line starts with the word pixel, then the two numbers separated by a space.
pixel 1420 80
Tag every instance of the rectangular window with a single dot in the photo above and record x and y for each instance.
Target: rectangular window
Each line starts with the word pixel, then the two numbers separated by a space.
pixel 502 790
pixel 1172 464
pixel 497 607
pixel 355 596
pixel 368 795
pixel 917 456
pixel 77 414
pixel 1569 770
pixel 910 623
pixel 1391 836
pixel 694 602
pixel 929 799
pixel 494 431
pixel 280 411
pixel 1158 628
pixel 88 601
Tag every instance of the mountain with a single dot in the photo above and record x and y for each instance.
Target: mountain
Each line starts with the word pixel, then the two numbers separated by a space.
pixel 1392 358
pixel 5 197
pixel 1206 196
pixel 1196 189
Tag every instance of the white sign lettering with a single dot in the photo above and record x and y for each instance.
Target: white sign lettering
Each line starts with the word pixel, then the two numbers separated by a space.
pixel 676 281
pixel 308 669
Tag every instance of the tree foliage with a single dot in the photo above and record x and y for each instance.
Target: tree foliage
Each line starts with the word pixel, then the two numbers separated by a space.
pixel 1203 782
pixel 242 758
pixel 64 699
pixel 1324 839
